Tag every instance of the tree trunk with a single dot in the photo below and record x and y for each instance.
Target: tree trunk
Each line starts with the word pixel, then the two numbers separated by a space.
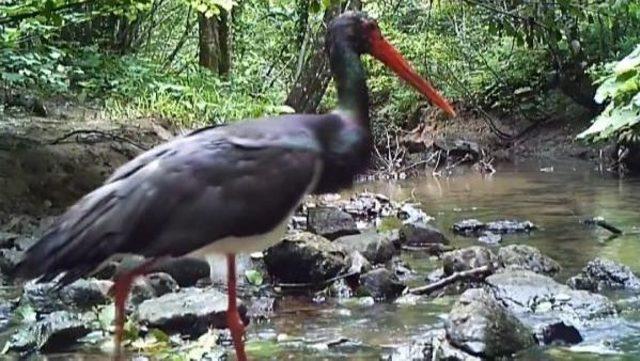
pixel 314 76
pixel 209 42
pixel 224 65
pixel 214 43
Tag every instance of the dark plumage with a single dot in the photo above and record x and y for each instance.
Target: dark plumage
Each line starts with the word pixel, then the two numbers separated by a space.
pixel 238 181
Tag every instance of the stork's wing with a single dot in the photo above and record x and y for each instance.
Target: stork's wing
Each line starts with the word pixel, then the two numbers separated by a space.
pixel 176 199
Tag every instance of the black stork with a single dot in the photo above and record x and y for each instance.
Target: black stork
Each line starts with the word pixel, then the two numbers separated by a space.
pixel 224 190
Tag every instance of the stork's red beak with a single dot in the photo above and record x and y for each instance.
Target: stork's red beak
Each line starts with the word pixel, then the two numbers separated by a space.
pixel 382 50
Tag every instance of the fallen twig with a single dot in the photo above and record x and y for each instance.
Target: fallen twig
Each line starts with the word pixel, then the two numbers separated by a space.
pixel 475 273
pixel 312 285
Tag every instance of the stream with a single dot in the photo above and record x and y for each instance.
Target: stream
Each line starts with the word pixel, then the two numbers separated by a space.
pixel 555 201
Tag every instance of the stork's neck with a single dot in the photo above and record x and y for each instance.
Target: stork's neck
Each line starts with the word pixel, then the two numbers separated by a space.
pixel 351 81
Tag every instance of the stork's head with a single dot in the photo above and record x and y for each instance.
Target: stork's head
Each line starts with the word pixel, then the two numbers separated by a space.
pixel 363 35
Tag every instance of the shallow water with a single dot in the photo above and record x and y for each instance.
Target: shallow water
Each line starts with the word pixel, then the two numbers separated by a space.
pixel 555 201
pixel 301 329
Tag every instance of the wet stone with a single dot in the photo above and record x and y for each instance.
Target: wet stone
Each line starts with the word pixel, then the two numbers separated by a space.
pixel 471 227
pixel 481 326
pixel 468 227
pixel 192 311
pixel 381 284
pixel 303 257
pixel 57 331
pixel 490 238
pixel 467 258
pixel 84 294
pixel 527 292
pixel 558 333
pixel 421 234
pixel 374 247
pixel 525 257
pixel 601 274
pixel 409 213
pixel 186 271
pixel 152 285
pixel 510 226
pixel 359 264
pixel 330 222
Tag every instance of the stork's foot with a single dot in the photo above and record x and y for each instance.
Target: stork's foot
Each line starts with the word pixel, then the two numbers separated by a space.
pixel 120 291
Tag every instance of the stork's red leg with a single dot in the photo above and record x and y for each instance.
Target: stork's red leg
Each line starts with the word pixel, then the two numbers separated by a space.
pixel 234 322
pixel 120 291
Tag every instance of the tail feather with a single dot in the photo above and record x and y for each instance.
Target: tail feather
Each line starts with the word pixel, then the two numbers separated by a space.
pixel 79 241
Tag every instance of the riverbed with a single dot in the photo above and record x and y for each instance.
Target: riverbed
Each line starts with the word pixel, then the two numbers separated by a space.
pixel 556 196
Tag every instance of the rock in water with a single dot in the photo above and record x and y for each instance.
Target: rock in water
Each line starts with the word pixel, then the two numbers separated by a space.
pixel 192 311
pixel 468 227
pixel 81 295
pixel 381 284
pixel 331 222
pixel 482 326
pixel 185 270
pixel 57 331
pixel 510 226
pixel 559 333
pixel 152 285
pixel 305 258
pixel 527 292
pixel 519 256
pixel 601 274
pixel 490 238
pixel 466 259
pixel 374 247
pixel 421 234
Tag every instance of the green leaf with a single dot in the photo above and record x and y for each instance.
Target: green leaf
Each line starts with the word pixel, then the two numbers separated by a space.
pixel 254 277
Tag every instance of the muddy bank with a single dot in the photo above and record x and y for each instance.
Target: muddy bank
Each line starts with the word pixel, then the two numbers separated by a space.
pixel 48 163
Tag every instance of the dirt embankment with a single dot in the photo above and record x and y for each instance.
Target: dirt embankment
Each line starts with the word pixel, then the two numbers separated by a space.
pixel 512 137
pixel 48 163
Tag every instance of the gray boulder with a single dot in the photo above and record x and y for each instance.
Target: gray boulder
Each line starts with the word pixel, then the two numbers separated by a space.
pixel 602 274
pixel 152 285
pixel 527 292
pixel 381 284
pixel 303 257
pixel 467 258
pixel 186 271
pixel 330 222
pixel 525 257
pixel 510 226
pixel 482 326
pixel 190 312
pixel 468 227
pixel 489 237
pixel 558 333
pixel 57 331
pixel 81 295
pixel 374 247
pixel 421 235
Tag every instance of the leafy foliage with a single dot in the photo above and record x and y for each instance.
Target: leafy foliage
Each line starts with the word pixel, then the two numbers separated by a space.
pixel 620 87
pixel 138 58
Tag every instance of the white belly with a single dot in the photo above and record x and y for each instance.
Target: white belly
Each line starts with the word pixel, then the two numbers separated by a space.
pixel 233 245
